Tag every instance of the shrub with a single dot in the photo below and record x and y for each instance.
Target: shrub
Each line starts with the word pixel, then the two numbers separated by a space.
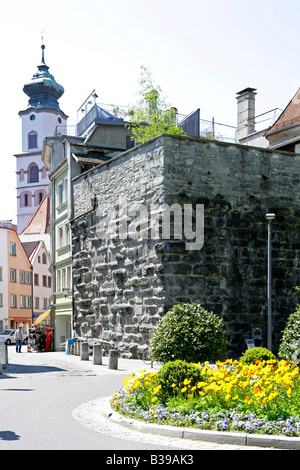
pixel 254 354
pixel 172 377
pixel 188 332
pixel 289 345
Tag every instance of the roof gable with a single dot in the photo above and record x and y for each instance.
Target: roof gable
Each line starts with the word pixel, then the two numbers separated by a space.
pixel 30 248
pixel 289 116
pixel 15 237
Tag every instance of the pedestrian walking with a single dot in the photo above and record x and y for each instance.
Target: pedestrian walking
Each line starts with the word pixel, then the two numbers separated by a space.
pixel 19 339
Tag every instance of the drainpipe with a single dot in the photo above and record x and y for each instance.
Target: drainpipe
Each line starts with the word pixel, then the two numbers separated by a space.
pixel 52 248
pixel 31 296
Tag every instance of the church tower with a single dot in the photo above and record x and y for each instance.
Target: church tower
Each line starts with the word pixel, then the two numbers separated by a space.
pixel 40 119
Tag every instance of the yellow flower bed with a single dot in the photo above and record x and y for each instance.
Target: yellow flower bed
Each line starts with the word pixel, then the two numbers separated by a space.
pixel 266 387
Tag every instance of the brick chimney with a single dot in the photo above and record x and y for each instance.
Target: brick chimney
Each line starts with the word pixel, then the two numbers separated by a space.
pixel 245 112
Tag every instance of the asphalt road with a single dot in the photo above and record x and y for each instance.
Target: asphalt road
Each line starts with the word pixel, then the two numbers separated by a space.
pixel 38 393
pixel 52 401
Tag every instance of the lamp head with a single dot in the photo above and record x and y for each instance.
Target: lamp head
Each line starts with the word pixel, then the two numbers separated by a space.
pixel 65 291
pixel 270 217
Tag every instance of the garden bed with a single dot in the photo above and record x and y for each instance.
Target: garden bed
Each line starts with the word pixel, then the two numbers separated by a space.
pixel 261 398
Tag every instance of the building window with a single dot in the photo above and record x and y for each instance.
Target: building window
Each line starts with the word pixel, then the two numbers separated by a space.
pixel 44 281
pixel 66 189
pixel 25 199
pixel 32 140
pixel 22 174
pixel 63 278
pixel 37 302
pixel 36 279
pixel 60 237
pixel 1 300
pixel 58 281
pixel 33 174
pixel 44 259
pixel 32 117
pixel 25 301
pixel 49 281
pixel 69 277
pixel 13 275
pixel 25 277
pixel 1 278
pixel 22 301
pixel 38 196
pixel 13 249
pixel 46 303
pixel 13 300
pixel 60 193
pixel 68 238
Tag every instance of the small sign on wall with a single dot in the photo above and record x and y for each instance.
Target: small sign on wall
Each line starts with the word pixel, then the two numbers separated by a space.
pixel 250 343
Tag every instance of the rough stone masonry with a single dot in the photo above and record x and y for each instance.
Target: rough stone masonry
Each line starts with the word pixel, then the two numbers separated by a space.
pixel 123 285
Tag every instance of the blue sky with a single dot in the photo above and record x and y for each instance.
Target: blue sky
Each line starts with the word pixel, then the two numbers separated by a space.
pixel 200 53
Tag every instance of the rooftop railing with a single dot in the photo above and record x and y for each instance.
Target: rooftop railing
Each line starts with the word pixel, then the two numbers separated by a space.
pixel 265 120
pixel 88 112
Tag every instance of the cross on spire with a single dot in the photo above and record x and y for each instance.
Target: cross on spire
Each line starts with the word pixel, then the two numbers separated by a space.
pixel 43 48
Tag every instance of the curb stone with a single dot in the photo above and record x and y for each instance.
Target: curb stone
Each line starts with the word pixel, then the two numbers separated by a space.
pixel 257 440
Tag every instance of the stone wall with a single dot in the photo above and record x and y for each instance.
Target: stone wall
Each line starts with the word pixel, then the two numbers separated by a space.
pixel 122 287
pixel 118 292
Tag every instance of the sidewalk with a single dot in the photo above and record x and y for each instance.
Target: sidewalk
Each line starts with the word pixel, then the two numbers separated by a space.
pixel 59 363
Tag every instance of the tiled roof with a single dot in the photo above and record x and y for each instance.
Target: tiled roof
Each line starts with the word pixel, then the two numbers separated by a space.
pixel 289 116
pixel 40 221
pixel 30 247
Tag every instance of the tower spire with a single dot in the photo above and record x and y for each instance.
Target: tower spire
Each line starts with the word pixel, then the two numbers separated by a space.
pixel 42 89
pixel 43 49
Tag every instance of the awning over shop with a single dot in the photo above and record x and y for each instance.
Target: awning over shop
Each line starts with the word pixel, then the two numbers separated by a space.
pixel 21 319
pixel 42 317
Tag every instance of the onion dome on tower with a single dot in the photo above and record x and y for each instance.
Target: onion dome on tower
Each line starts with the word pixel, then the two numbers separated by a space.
pixel 42 89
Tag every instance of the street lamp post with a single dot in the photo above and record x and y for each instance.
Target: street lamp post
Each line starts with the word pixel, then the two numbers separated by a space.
pixel 270 218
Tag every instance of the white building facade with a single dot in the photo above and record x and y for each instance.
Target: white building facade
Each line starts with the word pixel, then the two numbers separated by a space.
pixel 3 281
pixel 41 289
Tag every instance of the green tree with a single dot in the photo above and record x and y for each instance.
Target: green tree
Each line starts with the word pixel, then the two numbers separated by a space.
pixel 152 115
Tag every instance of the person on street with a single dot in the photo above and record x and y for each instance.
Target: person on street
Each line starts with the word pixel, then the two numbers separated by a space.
pixel 19 339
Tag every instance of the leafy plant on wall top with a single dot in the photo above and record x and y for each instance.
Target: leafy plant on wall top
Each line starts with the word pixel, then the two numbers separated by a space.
pixel 152 115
